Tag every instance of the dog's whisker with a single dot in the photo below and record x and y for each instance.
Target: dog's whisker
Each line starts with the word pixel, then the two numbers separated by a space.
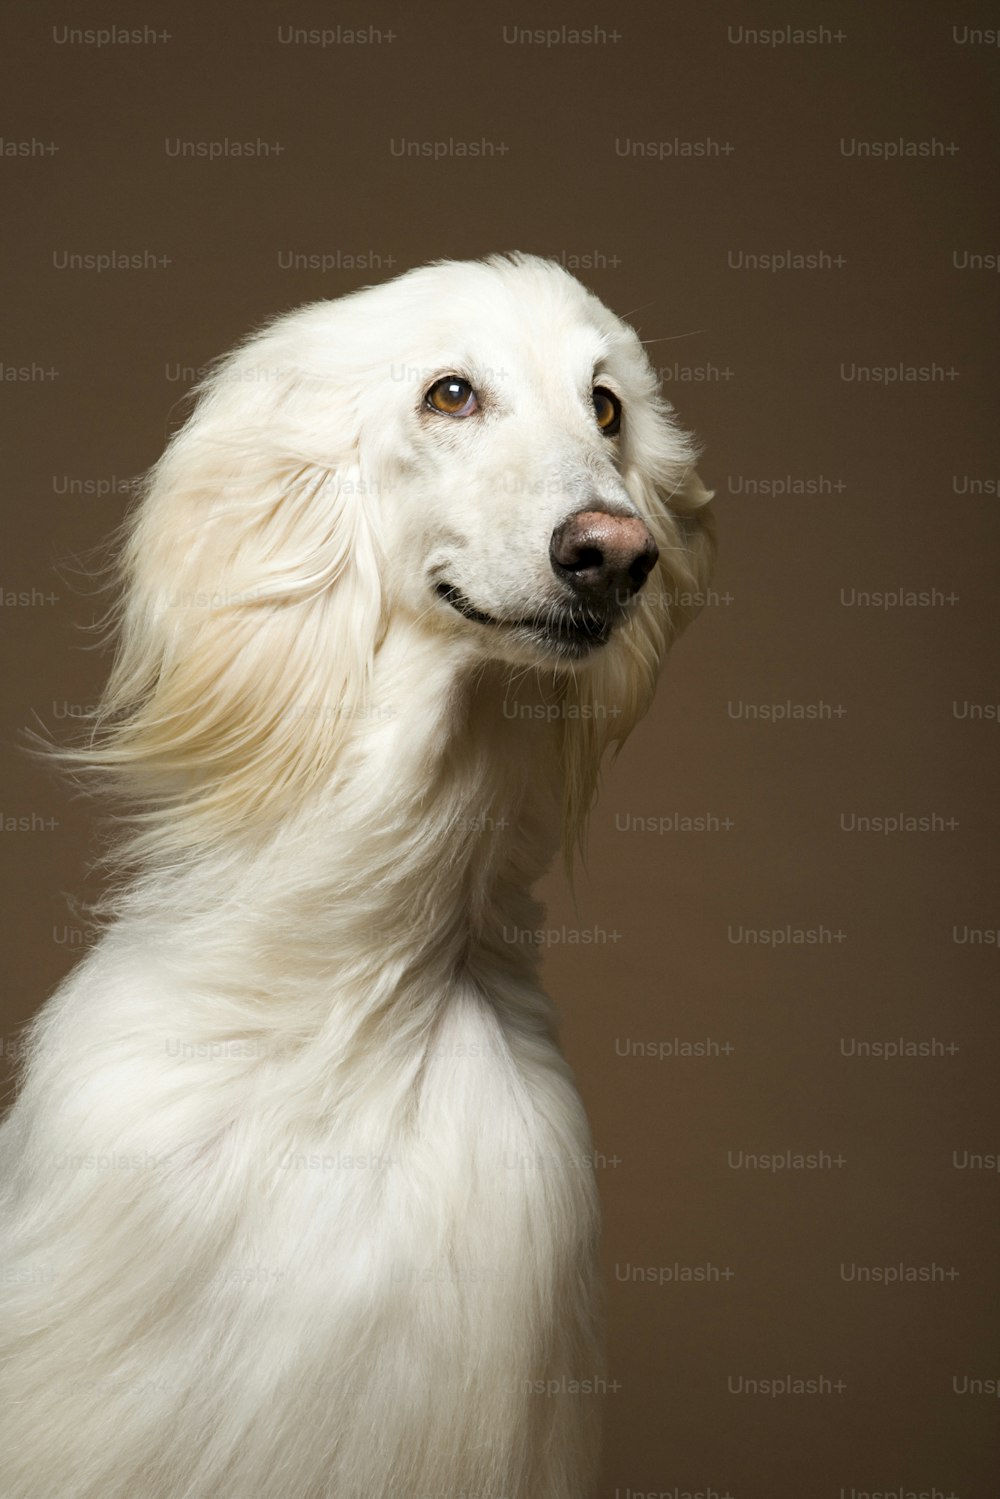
pixel 673 337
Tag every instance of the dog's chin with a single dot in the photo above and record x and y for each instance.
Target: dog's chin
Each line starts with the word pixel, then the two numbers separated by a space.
pixel 559 632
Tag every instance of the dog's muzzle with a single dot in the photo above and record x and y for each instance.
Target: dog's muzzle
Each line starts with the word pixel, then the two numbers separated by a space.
pixel 601 560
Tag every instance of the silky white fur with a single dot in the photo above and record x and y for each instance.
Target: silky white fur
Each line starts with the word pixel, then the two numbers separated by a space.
pixel 297 1193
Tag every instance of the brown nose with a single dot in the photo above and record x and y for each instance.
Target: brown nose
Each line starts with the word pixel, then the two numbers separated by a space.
pixel 604 558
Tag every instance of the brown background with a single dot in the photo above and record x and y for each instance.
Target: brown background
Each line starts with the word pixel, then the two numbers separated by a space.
pixel 903 496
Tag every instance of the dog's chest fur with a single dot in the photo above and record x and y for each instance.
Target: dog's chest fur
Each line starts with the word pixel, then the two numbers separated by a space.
pixel 352 1228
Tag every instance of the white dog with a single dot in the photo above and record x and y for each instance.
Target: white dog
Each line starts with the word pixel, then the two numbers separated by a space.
pixel 298 1199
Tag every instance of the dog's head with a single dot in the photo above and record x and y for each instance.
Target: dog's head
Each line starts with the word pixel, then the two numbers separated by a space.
pixel 477 448
pixel 538 467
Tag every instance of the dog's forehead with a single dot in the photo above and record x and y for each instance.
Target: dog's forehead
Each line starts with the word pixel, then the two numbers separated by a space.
pixel 525 356
pixel 528 316
pixel 530 351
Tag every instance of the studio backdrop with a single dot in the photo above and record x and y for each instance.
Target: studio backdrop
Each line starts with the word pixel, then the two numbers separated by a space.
pixel 778 973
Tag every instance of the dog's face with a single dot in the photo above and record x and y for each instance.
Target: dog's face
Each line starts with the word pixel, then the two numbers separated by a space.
pixel 520 405
pixel 476 452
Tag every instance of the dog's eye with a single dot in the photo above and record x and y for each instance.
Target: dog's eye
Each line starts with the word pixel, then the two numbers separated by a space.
pixel 452 396
pixel 607 409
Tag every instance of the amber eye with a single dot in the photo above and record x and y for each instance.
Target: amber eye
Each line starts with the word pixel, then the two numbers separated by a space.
pixel 607 409
pixel 452 396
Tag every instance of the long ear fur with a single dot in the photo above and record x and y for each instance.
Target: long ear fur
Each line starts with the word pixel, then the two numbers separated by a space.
pixel 250 601
pixel 606 701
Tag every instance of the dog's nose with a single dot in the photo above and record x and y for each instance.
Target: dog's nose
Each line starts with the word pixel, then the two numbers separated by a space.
pixel 604 558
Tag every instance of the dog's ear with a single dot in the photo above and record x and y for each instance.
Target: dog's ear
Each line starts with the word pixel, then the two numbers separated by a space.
pixel 687 550
pixel 609 698
pixel 250 603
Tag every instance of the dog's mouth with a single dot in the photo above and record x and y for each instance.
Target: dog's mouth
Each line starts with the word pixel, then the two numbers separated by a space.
pixel 572 631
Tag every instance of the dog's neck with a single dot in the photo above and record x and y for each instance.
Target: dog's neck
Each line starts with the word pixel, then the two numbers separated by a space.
pixel 419 854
